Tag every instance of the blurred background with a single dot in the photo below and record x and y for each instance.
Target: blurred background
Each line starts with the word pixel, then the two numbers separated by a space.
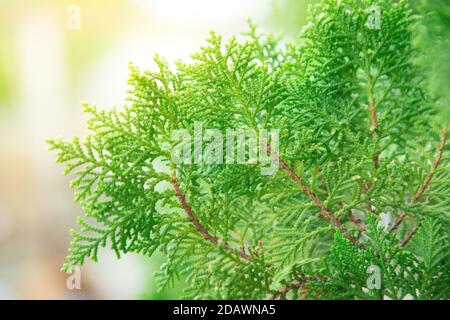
pixel 55 54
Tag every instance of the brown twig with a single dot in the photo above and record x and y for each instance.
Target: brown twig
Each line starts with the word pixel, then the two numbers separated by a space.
pixel 281 293
pixel 295 285
pixel 200 227
pixel 357 221
pixel 374 122
pixel 436 163
pixel 427 181
pixel 397 222
pixel 324 211
pixel 409 236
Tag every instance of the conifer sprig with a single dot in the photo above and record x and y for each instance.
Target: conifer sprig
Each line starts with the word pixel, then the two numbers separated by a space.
pixel 425 184
pixel 356 137
pixel 324 211
pixel 200 227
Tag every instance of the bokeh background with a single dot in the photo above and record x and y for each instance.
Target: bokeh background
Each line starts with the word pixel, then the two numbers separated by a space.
pixel 51 61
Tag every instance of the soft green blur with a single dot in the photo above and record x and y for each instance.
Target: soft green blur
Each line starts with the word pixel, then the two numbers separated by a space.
pixel 291 15
pixel 435 42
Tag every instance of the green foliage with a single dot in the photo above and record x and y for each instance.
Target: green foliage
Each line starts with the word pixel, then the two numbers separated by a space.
pixel 419 273
pixel 353 271
pixel 357 135
pixel 432 245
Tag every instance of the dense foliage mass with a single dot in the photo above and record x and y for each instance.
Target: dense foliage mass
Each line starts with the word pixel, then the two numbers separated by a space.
pixel 359 206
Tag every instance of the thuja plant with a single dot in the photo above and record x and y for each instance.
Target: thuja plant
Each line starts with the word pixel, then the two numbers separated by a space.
pixel 358 208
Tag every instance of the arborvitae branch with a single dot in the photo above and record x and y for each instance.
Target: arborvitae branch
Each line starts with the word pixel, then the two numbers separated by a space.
pixel 200 227
pixel 397 222
pixel 374 122
pixel 437 160
pixel 427 181
pixel 324 211
pixel 358 222
pixel 409 236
